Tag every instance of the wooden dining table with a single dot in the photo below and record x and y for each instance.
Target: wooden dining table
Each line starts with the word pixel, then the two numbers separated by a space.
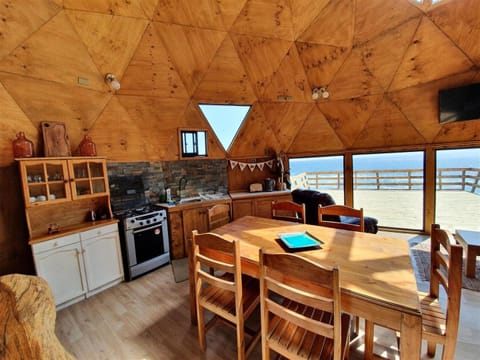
pixel 376 275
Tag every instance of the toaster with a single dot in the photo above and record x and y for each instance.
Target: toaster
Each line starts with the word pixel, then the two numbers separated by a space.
pixel 256 187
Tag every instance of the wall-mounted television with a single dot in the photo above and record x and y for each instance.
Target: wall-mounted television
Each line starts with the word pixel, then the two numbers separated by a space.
pixel 458 104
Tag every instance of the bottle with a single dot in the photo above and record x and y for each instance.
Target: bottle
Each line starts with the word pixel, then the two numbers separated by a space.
pixel 22 147
pixel 87 147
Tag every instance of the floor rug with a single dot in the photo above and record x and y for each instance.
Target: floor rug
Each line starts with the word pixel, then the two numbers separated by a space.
pixel 421 255
pixel 180 269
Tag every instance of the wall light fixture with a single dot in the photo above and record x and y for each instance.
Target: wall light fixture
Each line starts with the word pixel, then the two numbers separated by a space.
pixel 316 92
pixel 112 81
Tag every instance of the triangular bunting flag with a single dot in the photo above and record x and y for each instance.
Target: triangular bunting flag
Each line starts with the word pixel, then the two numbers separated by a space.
pixel 270 163
pixel 233 164
pixel 242 165
pixel 252 166
pixel 261 165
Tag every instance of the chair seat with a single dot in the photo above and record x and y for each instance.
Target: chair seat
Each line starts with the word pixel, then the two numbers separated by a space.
pixel 223 301
pixel 284 336
pixel 433 316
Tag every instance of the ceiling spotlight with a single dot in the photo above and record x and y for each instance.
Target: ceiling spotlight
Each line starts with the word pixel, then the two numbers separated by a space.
pixel 316 92
pixel 112 81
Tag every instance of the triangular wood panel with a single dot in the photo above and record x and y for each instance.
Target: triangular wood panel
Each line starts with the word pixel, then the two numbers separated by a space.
pixel 194 119
pixel 424 114
pixel 421 63
pixel 191 50
pixel 304 12
pixel 354 79
pixel 316 135
pixel 157 119
pixel 230 11
pixel 333 26
pixel 202 14
pixel 388 127
pixel 286 120
pixel 137 8
pixel 14 120
pixel 259 50
pixel 383 54
pixel 265 18
pixel 340 113
pixel 460 20
pixel 459 131
pixel 255 136
pixel 289 80
pixel 110 40
pixel 55 53
pixel 21 20
pixel 374 17
pixel 321 62
pixel 152 71
pixel 43 100
pixel 226 80
pixel 117 135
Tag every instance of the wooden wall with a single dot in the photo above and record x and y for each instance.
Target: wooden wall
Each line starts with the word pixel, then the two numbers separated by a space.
pixel 382 61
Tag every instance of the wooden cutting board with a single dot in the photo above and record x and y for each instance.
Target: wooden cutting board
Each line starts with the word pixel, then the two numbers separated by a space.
pixel 55 139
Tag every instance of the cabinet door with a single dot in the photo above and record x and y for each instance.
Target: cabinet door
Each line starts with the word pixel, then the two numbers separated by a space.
pixel 175 225
pixel 242 208
pixel 263 207
pixel 63 269
pixel 103 261
pixel 88 178
pixel 194 219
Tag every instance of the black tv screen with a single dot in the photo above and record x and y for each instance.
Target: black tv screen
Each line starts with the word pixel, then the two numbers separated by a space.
pixel 458 104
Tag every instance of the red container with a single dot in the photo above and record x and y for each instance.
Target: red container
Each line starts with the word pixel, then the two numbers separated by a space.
pixel 87 147
pixel 22 147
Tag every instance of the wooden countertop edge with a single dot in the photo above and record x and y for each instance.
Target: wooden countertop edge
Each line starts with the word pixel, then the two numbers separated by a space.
pixel 72 230
pixel 247 195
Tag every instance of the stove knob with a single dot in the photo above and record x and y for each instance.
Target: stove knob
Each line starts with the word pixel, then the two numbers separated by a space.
pixel 141 223
pixel 148 221
pixel 132 221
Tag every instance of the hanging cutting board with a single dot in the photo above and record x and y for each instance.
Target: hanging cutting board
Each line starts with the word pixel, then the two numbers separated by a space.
pixel 55 139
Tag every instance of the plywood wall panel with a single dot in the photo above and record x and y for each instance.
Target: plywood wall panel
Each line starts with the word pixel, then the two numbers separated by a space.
pixel 56 53
pixel 265 18
pixel 420 103
pixel 459 131
pixel 289 80
pixel 20 19
pixel 321 62
pixel 286 120
pixel 117 136
pixel 110 40
pixel 230 11
pixel 14 120
pixel 151 71
pixel 333 26
pixel 388 127
pixel 43 100
pixel 259 50
pixel 137 8
pixel 191 50
pixel 304 13
pixel 226 80
pixel 421 61
pixel 255 137
pixel 315 136
pixel 374 17
pixel 202 14
pixel 460 20
pixel 339 115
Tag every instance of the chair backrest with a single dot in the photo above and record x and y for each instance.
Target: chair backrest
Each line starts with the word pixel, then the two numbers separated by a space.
pixel 311 199
pixel 446 271
pixel 341 210
pixel 218 215
pixel 288 210
pixel 310 296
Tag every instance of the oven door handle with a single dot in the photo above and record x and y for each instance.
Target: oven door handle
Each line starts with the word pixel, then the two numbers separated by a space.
pixel 136 231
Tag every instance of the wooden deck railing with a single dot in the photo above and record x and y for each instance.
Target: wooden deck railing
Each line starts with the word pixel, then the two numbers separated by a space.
pixel 465 179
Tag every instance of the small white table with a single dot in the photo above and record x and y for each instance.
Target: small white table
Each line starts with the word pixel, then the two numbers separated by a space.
pixel 470 240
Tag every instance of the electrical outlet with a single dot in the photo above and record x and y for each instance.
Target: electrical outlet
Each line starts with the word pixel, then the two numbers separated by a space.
pixel 82 81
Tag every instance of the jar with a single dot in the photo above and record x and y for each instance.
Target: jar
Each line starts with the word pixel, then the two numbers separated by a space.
pixel 22 147
pixel 87 147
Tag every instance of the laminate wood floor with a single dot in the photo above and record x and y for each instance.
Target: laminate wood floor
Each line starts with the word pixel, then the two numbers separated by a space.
pixel 149 318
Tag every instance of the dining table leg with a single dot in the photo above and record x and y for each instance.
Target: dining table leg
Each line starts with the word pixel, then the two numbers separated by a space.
pixel 410 337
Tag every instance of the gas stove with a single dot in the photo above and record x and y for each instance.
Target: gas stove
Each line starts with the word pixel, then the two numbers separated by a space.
pixel 142 219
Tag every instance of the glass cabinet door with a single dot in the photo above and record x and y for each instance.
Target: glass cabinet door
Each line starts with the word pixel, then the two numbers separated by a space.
pixel 88 178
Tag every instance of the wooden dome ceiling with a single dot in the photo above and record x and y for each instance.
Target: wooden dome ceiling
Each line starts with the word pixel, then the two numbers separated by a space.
pixel 382 61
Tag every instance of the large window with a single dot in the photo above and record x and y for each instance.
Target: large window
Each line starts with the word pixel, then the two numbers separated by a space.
pixel 389 187
pixel 324 174
pixel 457 197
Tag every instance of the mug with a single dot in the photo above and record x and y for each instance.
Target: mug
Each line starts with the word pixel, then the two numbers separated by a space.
pixel 41 198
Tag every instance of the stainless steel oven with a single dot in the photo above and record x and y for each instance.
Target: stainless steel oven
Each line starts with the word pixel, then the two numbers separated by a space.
pixel 145 246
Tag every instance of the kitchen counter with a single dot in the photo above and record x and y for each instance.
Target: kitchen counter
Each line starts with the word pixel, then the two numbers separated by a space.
pixel 246 194
pixel 193 203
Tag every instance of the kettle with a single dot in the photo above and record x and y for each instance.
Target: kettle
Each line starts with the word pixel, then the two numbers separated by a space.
pixel 268 184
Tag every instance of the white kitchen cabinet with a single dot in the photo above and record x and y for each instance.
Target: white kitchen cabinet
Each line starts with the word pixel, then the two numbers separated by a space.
pixel 79 265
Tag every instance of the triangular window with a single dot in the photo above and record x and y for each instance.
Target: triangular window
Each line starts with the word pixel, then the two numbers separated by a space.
pixel 225 120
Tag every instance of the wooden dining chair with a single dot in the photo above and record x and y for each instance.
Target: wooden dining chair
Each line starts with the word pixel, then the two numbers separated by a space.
pixel 218 215
pixel 301 315
pixel 438 326
pixel 325 214
pixel 230 297
pixel 289 211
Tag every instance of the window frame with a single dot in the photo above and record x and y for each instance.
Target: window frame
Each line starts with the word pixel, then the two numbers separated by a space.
pixel 196 153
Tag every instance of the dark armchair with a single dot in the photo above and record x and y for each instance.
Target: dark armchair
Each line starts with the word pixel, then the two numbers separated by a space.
pixel 313 198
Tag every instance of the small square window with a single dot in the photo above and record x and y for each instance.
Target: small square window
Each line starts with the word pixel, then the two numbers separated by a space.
pixel 194 143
